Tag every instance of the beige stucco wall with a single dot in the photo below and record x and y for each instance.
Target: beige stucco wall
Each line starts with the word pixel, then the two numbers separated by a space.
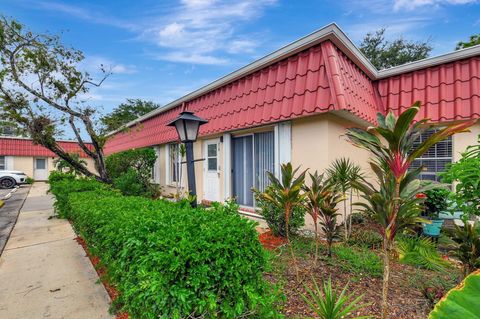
pixel 26 164
pixel 462 140
pixel 319 140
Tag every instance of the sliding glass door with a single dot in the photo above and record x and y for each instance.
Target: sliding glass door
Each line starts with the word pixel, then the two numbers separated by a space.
pixel 253 156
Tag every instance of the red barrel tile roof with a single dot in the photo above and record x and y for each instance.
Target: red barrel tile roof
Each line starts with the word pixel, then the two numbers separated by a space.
pixel 318 79
pixel 25 147
pixel 448 91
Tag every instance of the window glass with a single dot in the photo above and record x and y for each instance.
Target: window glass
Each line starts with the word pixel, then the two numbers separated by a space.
pixel 40 163
pixel 212 157
pixel 212 164
pixel 435 159
pixel 212 150
pixel 2 163
pixel 174 163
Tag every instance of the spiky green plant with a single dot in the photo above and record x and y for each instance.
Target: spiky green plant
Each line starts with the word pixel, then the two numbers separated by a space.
pixel 328 216
pixel 393 201
pixel 419 251
pixel 328 303
pixel 313 200
pixel 286 193
pixel 342 172
pixel 468 246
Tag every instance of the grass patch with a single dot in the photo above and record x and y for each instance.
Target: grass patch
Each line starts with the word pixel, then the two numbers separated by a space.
pixel 358 261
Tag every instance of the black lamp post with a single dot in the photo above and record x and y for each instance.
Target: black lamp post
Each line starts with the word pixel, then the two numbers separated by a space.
pixel 187 125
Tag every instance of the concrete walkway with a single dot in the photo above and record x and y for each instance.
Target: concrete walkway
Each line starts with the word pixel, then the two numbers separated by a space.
pixel 44 273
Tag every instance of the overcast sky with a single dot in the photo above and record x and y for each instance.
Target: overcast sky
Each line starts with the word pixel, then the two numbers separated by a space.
pixel 161 50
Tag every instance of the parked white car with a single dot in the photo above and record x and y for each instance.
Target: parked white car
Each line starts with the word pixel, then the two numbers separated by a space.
pixel 9 179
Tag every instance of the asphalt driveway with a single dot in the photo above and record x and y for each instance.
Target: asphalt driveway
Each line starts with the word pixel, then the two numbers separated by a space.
pixel 4 192
pixel 9 212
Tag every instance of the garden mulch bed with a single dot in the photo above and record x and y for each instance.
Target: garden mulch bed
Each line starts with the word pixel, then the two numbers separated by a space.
pixel 406 300
pixel 270 241
pixel 111 290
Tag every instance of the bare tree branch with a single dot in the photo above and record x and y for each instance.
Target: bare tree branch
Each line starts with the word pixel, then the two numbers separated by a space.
pixel 71 120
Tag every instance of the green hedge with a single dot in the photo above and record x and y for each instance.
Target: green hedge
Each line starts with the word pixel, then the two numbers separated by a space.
pixel 62 185
pixel 171 261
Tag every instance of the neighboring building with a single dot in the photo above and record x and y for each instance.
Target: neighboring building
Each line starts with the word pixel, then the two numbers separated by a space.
pixel 295 104
pixel 18 153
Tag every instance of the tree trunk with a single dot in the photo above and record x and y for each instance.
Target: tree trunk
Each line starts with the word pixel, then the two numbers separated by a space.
pixel 345 216
pixel 53 146
pixel 316 242
pixel 350 215
pixel 386 278
pixel 329 244
pixel 99 157
pixel 287 221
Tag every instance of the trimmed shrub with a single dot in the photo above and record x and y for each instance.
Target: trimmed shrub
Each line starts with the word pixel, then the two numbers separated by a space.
pixel 358 260
pixel 131 171
pixel 171 261
pixel 63 187
pixel 365 238
pixel 56 176
pixel 130 184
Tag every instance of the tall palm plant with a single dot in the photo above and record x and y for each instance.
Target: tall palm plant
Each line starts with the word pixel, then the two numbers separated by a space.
pixel 321 203
pixel 392 201
pixel 329 214
pixel 313 200
pixel 342 172
pixel 286 193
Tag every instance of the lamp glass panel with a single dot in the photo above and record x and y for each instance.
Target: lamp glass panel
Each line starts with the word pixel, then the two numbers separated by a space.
pixel 192 130
pixel 180 126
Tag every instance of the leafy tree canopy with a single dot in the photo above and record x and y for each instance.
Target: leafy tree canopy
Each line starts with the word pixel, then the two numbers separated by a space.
pixel 126 112
pixel 42 89
pixel 386 54
pixel 474 40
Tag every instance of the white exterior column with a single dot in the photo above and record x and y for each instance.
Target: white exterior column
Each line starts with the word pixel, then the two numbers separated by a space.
pixel 283 145
pixel 156 167
pixel 227 166
pixel 9 163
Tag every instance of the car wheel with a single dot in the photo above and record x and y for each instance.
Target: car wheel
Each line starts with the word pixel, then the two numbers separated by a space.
pixel 7 182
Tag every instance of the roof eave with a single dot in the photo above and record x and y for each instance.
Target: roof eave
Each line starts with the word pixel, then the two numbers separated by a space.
pixel 429 62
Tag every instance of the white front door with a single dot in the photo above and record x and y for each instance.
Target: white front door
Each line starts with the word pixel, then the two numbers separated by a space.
pixel 211 170
pixel 40 168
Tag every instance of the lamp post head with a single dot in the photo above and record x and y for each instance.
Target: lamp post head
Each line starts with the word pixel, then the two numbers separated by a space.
pixel 187 125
